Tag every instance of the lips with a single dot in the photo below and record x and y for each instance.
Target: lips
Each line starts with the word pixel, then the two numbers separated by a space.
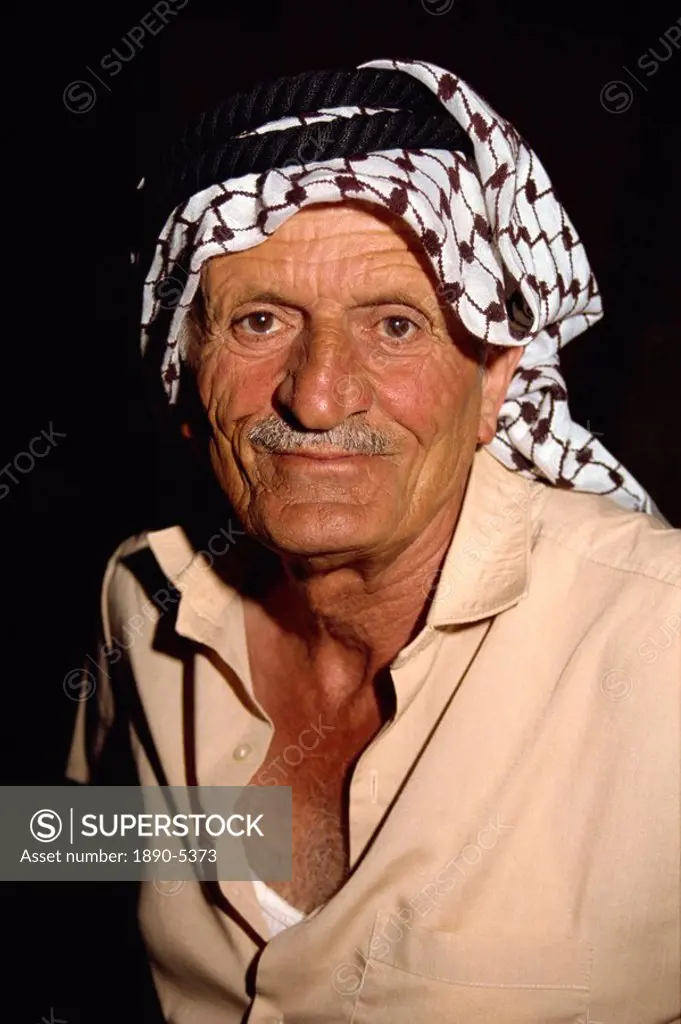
pixel 319 455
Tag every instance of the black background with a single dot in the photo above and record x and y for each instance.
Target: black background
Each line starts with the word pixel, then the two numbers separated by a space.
pixel 70 346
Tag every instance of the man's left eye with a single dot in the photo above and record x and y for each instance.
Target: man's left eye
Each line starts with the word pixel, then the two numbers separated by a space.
pixel 398 327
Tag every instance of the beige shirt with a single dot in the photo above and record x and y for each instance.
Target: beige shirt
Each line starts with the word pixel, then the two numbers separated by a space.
pixel 514 830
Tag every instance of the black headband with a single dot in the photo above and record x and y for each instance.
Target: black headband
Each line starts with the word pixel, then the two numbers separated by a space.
pixel 213 148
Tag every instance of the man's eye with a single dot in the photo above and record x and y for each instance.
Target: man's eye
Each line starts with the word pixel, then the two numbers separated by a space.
pixel 261 322
pixel 398 327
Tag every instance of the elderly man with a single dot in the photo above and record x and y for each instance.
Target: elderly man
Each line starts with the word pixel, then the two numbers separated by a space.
pixel 435 607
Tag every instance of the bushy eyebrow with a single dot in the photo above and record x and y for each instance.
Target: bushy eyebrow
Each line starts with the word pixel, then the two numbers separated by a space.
pixel 273 298
pixel 393 298
pixel 244 297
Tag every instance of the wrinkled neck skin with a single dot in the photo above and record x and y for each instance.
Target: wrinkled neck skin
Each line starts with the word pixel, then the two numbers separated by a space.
pixel 347 616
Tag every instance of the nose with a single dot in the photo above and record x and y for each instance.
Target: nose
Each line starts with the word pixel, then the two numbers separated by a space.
pixel 325 383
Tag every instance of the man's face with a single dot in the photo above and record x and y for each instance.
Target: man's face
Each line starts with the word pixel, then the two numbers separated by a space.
pixel 344 406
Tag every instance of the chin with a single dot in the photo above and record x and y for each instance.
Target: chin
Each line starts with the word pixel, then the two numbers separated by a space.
pixel 315 528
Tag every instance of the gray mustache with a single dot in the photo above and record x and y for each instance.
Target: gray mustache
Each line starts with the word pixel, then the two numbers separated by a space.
pixel 276 436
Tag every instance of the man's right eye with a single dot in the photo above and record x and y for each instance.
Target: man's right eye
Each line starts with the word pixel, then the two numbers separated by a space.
pixel 260 322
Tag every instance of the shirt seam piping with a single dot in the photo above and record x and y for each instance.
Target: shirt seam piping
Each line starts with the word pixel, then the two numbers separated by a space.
pixel 633 568
pixel 489 984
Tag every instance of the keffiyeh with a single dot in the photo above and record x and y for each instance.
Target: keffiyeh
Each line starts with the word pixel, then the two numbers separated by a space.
pixel 506 256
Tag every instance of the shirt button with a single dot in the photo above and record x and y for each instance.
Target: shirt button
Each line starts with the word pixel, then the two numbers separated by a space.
pixel 242 752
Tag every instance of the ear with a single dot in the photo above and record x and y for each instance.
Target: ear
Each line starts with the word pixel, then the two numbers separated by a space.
pixel 498 368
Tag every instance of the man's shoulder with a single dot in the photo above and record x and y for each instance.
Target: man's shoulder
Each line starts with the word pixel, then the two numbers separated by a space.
pixel 605 585
pixel 597 532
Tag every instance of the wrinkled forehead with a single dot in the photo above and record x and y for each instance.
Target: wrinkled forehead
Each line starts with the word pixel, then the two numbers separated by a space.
pixel 328 248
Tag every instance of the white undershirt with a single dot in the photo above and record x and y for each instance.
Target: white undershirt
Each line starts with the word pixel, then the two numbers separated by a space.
pixel 279 915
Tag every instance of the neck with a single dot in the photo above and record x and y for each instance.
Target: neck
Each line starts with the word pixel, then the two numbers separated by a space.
pixel 347 622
